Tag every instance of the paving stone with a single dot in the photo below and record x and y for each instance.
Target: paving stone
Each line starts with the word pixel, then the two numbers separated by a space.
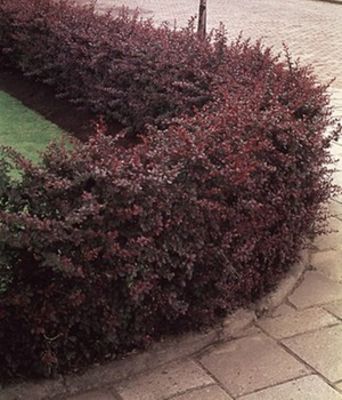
pixel 338 177
pixel 298 23
pixel 42 390
pixel 339 386
pixel 245 365
pixel 329 263
pixel 333 239
pixel 307 388
pixel 316 289
pixel 322 350
pixel 208 393
pixel 296 323
pixel 338 163
pixel 250 331
pixel 335 308
pixel 167 381
pixel 335 209
pixel 284 309
pixel 336 150
pixel 94 395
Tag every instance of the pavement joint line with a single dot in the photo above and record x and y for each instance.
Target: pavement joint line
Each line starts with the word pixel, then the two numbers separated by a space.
pixel 116 393
pixel 195 356
pixel 337 2
pixel 276 384
pixel 310 367
pixel 298 358
pixel 287 302
pixel 301 279
pixel 311 371
pixel 334 315
pixel 150 371
pixel 317 250
pixel 337 201
pixel 320 305
pixel 188 391
pixel 337 323
pixel 109 387
pixel 218 383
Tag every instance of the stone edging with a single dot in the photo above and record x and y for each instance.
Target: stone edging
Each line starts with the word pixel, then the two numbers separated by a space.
pixel 160 353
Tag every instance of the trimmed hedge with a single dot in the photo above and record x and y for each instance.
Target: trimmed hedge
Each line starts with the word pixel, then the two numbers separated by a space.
pixel 110 247
pixel 106 247
pixel 121 67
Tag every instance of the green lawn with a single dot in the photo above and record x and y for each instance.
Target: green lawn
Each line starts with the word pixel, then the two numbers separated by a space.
pixel 24 129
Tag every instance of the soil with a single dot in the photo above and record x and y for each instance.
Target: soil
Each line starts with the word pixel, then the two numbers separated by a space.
pixel 41 98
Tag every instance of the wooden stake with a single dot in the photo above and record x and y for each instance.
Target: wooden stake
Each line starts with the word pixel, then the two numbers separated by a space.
pixel 202 19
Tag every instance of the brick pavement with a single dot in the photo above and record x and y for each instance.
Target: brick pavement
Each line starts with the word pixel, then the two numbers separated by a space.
pixel 312 29
pixel 296 353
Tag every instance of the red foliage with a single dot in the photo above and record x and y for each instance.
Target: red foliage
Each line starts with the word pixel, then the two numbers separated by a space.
pixel 106 247
pixel 121 67
pixel 109 247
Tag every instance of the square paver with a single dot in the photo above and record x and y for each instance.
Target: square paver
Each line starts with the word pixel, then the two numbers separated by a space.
pixel 165 382
pixel 335 308
pixel 338 164
pixel 338 177
pixel 322 350
pixel 335 207
pixel 296 323
pixel 94 395
pixel 207 393
pixel 328 263
pixel 307 388
pixel 248 364
pixel 332 240
pixel 316 289
pixel 283 309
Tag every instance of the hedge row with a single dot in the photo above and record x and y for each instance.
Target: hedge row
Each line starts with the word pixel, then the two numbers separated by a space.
pixel 104 248
pixel 121 67
pixel 110 247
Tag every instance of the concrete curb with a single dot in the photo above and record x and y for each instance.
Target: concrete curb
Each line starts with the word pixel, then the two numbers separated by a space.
pixel 160 353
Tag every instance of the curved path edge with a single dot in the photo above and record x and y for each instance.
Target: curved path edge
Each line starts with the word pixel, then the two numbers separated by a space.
pixel 160 353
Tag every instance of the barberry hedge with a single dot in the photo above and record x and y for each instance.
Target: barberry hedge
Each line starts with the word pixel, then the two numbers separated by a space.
pixel 106 247
pixel 110 246
pixel 121 67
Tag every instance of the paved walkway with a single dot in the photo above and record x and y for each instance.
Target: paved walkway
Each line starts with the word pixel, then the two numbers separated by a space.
pixel 296 353
pixel 311 28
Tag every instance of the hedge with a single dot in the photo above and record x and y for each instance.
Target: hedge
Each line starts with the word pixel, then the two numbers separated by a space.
pixel 106 247
pixel 111 247
pixel 121 67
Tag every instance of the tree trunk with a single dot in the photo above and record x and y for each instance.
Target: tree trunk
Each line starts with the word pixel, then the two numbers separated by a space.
pixel 202 19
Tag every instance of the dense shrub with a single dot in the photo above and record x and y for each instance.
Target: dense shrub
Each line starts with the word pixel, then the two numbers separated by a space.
pixel 121 67
pixel 109 246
